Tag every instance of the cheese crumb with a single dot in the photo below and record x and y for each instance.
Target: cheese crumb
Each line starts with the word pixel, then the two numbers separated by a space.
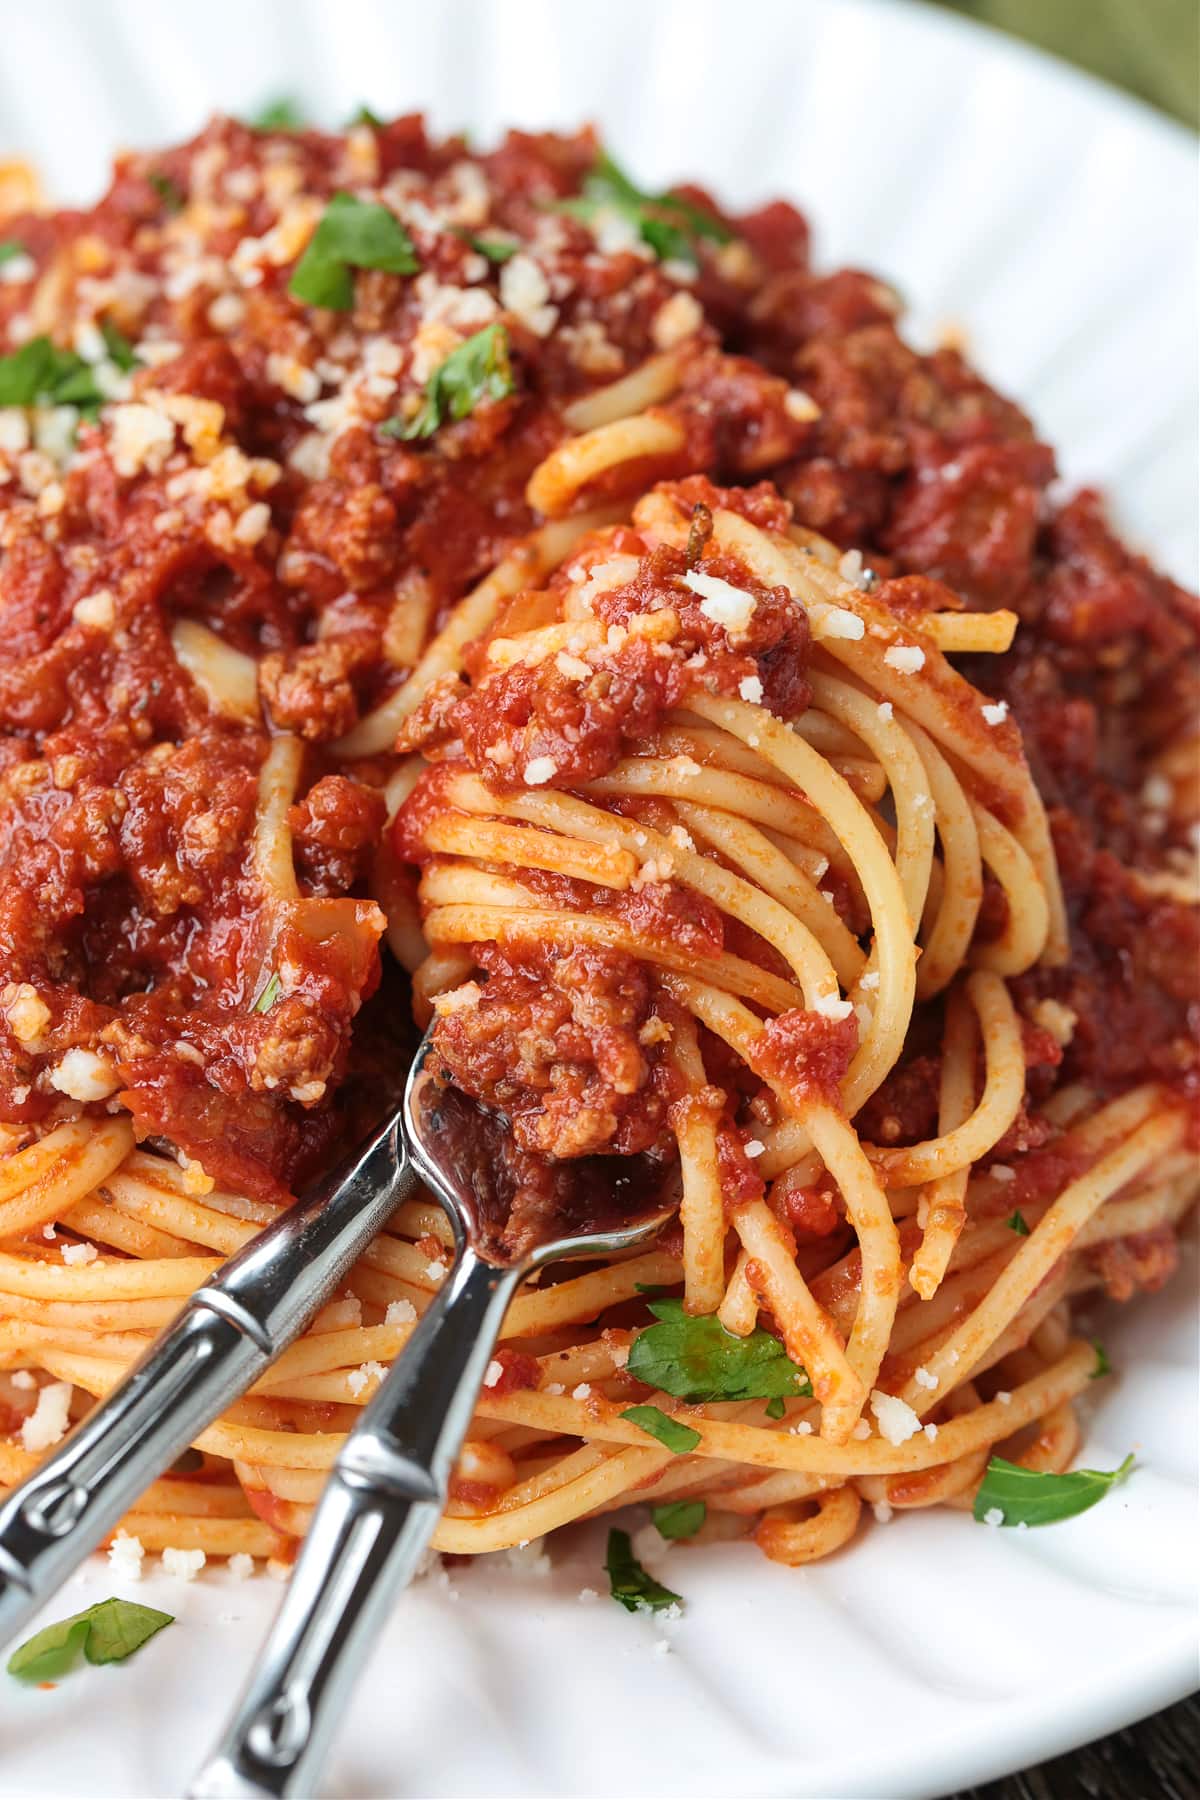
pixel 924 1379
pixel 82 1075
pixel 994 714
pixel 751 688
pixel 582 1392
pixel 727 606
pixel 896 1419
pixel 48 1420
pixel 861 1430
pixel 186 1564
pixel 907 658
pixel 457 999
pixel 125 1556
pixel 492 1373
pixel 754 1147
pixel 883 1511
pixel 241 1566
pixel 886 710
pixel 97 610
pixel 993 1516
pixel 1002 1173
pixel 79 1253
pixel 837 622
pixel 830 1006
pixel 539 770
pixel 1004 1397
pixel 436 1271
pixel 400 1312
pixel 930 1431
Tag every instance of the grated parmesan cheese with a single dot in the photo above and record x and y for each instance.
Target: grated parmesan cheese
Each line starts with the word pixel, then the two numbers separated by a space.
pixel 125 1557
pixel 82 1075
pixel 995 713
pixel 895 1417
pixel 727 606
pixel 751 688
pixel 907 658
pixel 186 1564
pixel 400 1312
pixel 492 1373
pixel 78 1254
pixel 539 770
pixel 47 1423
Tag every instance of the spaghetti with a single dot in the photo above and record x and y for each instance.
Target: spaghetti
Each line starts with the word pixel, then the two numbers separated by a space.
pixel 722 862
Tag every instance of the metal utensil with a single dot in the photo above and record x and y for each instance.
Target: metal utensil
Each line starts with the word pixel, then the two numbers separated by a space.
pixel 230 1331
pixel 385 1495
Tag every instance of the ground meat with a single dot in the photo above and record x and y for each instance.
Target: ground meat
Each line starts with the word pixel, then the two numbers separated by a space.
pixel 335 831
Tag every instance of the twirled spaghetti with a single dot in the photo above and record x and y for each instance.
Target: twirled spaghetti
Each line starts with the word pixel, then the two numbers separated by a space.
pixel 723 862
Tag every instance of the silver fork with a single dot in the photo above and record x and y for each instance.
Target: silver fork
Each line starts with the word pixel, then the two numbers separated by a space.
pixel 385 1495
pixel 230 1331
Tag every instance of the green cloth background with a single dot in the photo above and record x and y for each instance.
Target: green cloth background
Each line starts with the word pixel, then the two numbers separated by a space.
pixel 1151 47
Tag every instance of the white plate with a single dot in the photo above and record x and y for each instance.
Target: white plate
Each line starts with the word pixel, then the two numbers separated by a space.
pixel 1055 220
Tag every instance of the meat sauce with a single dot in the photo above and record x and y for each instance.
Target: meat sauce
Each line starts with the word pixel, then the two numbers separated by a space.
pixel 239 480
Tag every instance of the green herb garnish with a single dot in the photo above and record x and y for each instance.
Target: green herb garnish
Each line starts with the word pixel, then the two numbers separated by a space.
pixel 1103 1366
pixel 775 1408
pixel 669 225
pixel 168 191
pixel 677 1438
pixel 107 1632
pixel 283 114
pixel 497 250
pixel 632 1586
pixel 268 996
pixel 120 350
pixel 479 369
pixel 679 1519
pixel 40 374
pixel 1017 1223
pixel 9 249
pixel 364 116
pixel 696 1359
pixel 1037 1497
pixel 352 234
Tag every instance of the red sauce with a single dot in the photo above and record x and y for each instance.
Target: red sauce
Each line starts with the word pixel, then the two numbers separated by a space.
pixel 806 1053
pixel 129 901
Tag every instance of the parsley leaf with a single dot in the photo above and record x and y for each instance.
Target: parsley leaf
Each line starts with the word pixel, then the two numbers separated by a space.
pixel 676 1437
pixel 119 348
pixel 107 1632
pixel 1017 1223
pixel 775 1408
pixel 497 250
pixel 268 995
pixel 478 370
pixel 168 191
pixel 679 1519
pixel 10 248
pixel 1103 1366
pixel 40 374
pixel 669 225
pixel 364 116
pixel 283 114
pixel 352 234
pixel 1037 1497
pixel 632 1586
pixel 696 1359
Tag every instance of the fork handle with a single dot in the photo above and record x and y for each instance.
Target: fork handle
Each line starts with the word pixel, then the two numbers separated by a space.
pixel 231 1329
pixel 374 1520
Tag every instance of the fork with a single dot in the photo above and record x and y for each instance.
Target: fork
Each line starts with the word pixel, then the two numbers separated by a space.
pixel 230 1331
pixel 385 1494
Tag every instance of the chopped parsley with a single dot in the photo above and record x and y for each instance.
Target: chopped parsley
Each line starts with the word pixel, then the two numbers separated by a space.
pixel 632 1587
pixel 284 114
pixel 696 1359
pixel 669 225
pixel 1038 1497
pixel 168 191
pixel 269 994
pixel 775 1408
pixel 10 248
pixel 479 369
pixel 1103 1366
pixel 107 1632
pixel 364 116
pixel 680 1518
pixel 673 1435
pixel 1017 1223
pixel 40 374
pixel 352 234
pixel 497 250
